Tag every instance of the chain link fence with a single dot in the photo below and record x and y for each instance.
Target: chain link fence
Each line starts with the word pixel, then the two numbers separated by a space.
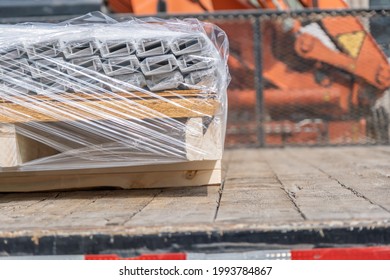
pixel 308 78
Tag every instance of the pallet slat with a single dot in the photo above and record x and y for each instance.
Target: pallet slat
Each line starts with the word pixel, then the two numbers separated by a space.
pixel 81 110
pixel 196 173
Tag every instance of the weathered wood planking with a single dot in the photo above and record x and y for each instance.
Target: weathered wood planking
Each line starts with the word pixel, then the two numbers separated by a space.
pixel 103 208
pixel 366 179
pixel 293 188
pixel 252 193
pixel 179 206
pixel 315 193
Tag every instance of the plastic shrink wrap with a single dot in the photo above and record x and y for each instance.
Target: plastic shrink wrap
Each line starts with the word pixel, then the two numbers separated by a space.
pixel 96 93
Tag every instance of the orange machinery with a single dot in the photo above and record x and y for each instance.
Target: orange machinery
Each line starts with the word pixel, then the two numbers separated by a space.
pixel 326 69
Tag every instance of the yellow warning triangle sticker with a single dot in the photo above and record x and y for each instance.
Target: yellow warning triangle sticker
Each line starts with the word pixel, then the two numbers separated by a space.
pixel 352 42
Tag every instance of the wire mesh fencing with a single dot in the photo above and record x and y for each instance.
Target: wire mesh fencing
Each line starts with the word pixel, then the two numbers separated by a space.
pixel 308 78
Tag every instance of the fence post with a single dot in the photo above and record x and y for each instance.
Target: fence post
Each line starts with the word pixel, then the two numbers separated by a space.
pixel 257 48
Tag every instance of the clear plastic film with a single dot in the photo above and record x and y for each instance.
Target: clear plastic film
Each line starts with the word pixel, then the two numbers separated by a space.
pixel 93 92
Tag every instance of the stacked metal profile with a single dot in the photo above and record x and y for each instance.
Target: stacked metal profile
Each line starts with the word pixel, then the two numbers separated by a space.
pixel 97 64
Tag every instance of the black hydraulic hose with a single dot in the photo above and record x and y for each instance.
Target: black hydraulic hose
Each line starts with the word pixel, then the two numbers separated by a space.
pixel 161 6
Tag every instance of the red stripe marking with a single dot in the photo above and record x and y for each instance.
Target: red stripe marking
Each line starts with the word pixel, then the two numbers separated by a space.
pixel 365 253
pixel 167 256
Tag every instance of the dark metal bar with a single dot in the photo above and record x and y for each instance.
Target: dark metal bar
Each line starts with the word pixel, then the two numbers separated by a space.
pixel 257 48
pixel 255 13
pixel 128 244
pixel 214 15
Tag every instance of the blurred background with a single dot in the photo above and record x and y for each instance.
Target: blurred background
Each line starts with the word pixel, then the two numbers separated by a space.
pixel 304 72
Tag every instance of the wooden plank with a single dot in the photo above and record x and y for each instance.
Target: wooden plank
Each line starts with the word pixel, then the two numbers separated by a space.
pixel 252 193
pixel 195 173
pixel 182 166
pixel 248 163
pixel 14 210
pixel 179 206
pixel 81 110
pixel 375 159
pixel 16 149
pixel 356 169
pixel 202 145
pixel 30 149
pixel 81 209
pixel 9 151
pixel 259 202
pixel 104 209
pixel 316 195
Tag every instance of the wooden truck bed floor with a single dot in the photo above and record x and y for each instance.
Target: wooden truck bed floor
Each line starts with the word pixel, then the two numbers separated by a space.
pixel 271 198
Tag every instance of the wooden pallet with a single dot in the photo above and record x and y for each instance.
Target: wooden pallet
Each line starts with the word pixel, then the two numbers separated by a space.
pixel 194 108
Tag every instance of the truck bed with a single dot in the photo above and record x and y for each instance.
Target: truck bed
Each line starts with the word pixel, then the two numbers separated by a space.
pixel 270 199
